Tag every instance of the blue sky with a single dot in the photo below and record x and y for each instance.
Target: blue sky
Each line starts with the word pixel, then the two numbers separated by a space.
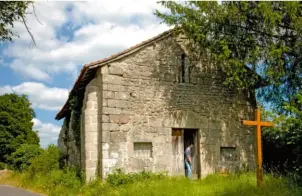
pixel 69 35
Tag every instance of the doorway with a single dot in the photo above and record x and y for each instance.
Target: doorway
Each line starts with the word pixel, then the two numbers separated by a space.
pixel 181 139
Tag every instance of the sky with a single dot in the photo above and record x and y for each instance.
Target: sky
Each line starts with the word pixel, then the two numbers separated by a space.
pixel 69 35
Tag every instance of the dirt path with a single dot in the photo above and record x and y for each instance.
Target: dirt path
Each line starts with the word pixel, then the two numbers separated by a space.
pixel 6 190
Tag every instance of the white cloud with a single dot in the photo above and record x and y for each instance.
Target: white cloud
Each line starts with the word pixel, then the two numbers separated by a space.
pixel 75 33
pixel 71 35
pixel 47 132
pixel 39 95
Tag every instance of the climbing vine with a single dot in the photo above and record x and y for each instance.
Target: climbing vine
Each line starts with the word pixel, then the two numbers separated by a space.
pixel 75 107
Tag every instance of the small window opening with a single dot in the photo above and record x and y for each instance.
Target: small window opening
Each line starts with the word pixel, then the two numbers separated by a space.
pixel 183 68
pixel 183 76
pixel 228 154
pixel 142 149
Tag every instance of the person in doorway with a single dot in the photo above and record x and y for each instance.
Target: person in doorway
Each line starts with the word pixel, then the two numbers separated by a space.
pixel 188 160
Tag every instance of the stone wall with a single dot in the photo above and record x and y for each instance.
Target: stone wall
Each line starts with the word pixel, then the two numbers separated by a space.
pixel 142 100
pixel 67 142
pixel 90 130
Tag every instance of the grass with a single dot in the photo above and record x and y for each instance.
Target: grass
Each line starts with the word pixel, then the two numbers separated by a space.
pixel 150 184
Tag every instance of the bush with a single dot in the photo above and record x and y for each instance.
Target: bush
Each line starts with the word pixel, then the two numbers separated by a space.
pixel 22 158
pixel 61 182
pixel 94 187
pixel 47 161
pixel 119 178
pixel 3 166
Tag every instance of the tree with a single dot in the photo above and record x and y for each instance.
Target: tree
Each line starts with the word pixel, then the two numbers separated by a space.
pixel 283 143
pixel 15 124
pixel 11 11
pixel 265 36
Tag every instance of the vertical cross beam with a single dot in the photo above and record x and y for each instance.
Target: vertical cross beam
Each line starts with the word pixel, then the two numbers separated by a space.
pixel 259 124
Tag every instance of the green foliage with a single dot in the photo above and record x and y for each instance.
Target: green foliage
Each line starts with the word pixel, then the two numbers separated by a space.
pixel 75 106
pixel 119 178
pixel 11 11
pixel 55 182
pixel 47 161
pixel 3 166
pixel 283 143
pixel 95 187
pixel 59 181
pixel 22 158
pixel 266 36
pixel 15 124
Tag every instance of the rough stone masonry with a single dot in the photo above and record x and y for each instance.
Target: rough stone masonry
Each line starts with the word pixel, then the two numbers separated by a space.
pixel 133 100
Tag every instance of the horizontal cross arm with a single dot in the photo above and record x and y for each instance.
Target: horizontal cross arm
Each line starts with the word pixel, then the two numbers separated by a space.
pixel 267 124
pixel 248 122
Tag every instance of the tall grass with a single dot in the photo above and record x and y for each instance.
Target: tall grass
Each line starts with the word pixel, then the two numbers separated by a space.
pixel 60 182
pixel 213 185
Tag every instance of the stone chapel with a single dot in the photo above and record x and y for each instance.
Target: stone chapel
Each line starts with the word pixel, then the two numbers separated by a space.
pixel 138 109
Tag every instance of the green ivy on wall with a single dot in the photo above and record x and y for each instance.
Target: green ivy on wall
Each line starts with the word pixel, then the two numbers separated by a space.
pixel 75 106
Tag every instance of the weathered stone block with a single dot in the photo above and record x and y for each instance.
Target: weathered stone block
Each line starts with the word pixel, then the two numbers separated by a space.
pixel 105 154
pixel 116 103
pixel 91 127
pixel 115 70
pixel 91 137
pixel 107 110
pixel 215 124
pixel 112 79
pixel 114 118
pixel 167 122
pixel 92 96
pixel 105 126
pixel 118 136
pixel 105 87
pixel 114 127
pixel 90 104
pixel 104 102
pixel 90 146
pixel 119 119
pixel 91 163
pixel 109 163
pixel 124 119
pixel 94 119
pixel 108 95
pixel 155 122
pixel 125 128
pixel 105 136
pixel 116 88
pixel 122 95
pixel 105 146
pixel 94 155
pixel 114 155
pixel 105 118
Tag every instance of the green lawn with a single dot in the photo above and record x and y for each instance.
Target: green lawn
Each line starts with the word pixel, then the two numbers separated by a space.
pixel 213 185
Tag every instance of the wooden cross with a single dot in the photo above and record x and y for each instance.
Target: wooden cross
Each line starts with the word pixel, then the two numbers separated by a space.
pixel 259 124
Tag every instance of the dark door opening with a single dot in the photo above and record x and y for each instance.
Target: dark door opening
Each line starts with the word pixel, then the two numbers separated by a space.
pixel 181 139
pixel 191 135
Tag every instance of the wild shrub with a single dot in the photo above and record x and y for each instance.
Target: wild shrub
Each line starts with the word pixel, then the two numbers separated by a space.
pixel 47 161
pixel 120 178
pixel 3 166
pixel 22 158
pixel 95 187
